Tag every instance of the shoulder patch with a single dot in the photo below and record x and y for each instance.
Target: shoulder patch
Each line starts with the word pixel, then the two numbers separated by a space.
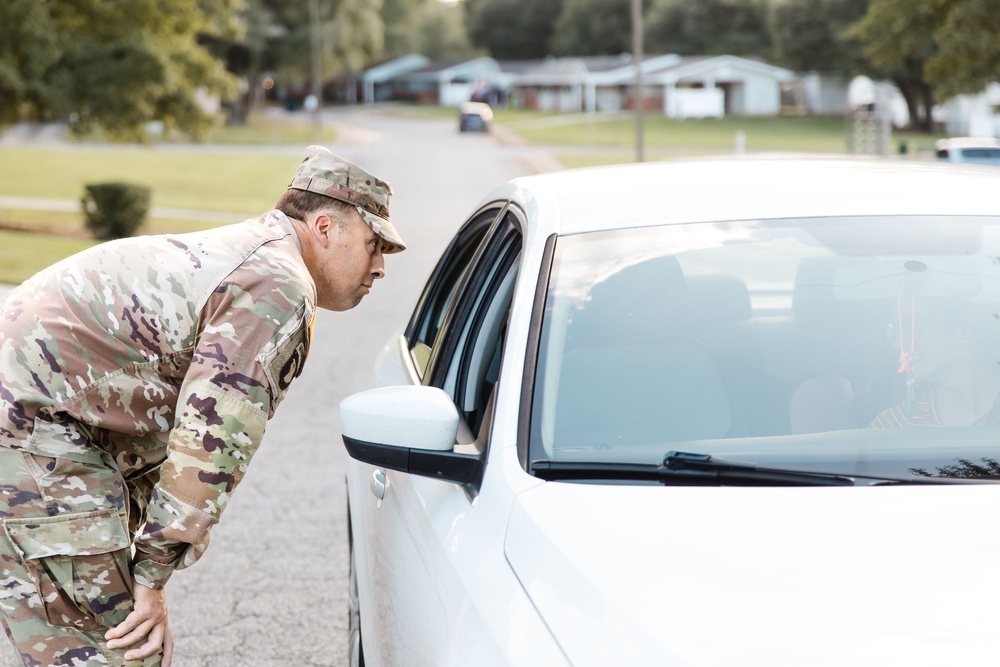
pixel 284 356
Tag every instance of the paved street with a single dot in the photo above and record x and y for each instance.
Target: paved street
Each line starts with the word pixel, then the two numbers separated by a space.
pixel 271 592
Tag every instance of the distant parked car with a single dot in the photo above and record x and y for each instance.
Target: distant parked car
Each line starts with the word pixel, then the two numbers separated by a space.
pixel 697 413
pixel 973 150
pixel 475 117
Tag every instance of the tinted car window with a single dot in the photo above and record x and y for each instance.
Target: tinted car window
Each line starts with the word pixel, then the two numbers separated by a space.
pixel 441 288
pixel 853 343
pixel 470 352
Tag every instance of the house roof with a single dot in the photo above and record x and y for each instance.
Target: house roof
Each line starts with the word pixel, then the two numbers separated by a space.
pixel 721 66
pixel 389 69
pixel 447 69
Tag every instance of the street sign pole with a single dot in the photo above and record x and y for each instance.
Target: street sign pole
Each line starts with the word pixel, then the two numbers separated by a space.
pixel 637 60
pixel 317 77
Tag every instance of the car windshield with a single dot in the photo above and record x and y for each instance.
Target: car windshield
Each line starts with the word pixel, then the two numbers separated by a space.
pixel 846 345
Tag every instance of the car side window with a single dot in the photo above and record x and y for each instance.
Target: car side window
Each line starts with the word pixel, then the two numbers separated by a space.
pixel 441 288
pixel 471 365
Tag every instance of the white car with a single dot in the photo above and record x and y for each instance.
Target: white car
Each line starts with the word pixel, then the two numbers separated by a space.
pixel 972 150
pixel 721 412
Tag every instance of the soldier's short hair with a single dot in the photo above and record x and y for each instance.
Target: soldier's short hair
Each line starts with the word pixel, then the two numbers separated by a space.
pixel 300 204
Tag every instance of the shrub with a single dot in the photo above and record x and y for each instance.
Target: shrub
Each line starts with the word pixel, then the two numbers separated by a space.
pixel 115 210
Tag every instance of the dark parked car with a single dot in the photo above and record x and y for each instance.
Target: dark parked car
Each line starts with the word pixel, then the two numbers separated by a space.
pixel 474 117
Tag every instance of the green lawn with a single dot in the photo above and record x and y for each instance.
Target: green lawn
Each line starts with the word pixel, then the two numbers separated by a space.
pixel 266 127
pixel 24 253
pixel 221 177
pixel 242 182
pixel 667 135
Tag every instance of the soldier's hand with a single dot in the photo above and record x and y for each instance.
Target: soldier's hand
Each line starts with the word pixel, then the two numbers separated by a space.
pixel 148 621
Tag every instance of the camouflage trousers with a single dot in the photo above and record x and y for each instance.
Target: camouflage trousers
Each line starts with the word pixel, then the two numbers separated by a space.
pixel 65 560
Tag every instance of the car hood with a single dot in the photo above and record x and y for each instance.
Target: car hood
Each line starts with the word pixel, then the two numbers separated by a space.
pixel 645 575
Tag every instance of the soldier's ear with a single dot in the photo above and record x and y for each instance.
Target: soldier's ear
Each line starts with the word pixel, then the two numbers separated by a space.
pixel 320 228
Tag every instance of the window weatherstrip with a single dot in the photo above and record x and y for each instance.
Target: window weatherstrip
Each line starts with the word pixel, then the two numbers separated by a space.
pixel 531 353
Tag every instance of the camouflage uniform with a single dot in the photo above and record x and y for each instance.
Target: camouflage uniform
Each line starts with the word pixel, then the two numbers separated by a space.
pixel 136 379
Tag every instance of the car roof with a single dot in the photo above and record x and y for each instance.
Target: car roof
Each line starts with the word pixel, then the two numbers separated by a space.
pixel 474 107
pixel 680 191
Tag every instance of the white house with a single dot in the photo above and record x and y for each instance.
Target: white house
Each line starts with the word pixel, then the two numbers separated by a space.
pixel 680 87
pixel 581 84
pixel 707 86
pixel 973 115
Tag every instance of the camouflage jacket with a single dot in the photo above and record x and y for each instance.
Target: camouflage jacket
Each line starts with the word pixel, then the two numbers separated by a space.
pixel 159 354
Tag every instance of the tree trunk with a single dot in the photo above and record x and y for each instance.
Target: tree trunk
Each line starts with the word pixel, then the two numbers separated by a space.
pixel 919 101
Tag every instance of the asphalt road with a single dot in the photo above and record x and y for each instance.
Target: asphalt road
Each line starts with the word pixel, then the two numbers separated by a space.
pixel 271 590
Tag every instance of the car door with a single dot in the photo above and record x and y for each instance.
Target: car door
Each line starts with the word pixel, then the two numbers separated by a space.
pixel 454 342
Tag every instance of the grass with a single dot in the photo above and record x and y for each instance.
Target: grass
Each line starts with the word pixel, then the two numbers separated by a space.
pixel 71 223
pixel 243 182
pixel 224 179
pixel 781 133
pixel 30 240
pixel 270 127
pixel 24 253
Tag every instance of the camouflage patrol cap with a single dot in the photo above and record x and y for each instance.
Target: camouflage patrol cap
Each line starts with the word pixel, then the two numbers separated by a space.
pixel 327 174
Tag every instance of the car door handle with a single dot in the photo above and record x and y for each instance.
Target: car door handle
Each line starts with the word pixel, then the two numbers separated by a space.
pixel 378 485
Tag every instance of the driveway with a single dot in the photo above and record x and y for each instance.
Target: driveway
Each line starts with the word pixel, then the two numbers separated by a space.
pixel 271 592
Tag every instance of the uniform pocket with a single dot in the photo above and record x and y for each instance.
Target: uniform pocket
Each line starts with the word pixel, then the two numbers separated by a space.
pixel 79 564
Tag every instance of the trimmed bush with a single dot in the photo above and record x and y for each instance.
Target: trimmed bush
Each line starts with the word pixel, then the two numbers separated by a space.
pixel 115 210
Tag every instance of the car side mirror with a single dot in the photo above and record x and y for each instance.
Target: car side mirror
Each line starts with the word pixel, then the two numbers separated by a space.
pixel 409 429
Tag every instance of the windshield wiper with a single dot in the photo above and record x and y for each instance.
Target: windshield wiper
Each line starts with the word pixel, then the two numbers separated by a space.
pixel 711 470
pixel 683 468
pixel 689 461
pixel 687 468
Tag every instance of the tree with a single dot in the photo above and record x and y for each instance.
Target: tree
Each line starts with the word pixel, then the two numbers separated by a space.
pixel 113 65
pixel 513 29
pixel 593 28
pixel 932 48
pixel 708 27
pixel 898 37
pixel 968 50
pixel 809 35
pixel 441 32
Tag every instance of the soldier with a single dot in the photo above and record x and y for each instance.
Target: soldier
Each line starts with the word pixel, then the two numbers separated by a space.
pixel 136 379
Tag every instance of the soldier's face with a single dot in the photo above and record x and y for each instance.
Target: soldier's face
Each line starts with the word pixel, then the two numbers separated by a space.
pixel 349 265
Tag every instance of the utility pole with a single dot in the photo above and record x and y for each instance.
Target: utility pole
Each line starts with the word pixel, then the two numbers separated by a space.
pixel 637 60
pixel 317 77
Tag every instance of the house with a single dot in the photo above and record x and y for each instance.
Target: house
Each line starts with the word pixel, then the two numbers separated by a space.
pixel 678 86
pixel 973 115
pixel 714 86
pixel 377 81
pixel 444 83
pixel 596 83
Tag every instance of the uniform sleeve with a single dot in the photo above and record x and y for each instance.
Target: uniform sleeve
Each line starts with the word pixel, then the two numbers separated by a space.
pixel 250 348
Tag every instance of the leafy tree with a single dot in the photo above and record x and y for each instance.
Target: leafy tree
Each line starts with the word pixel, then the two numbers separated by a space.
pixel 935 48
pixel 112 64
pixel 402 26
pixel 513 29
pixel 708 27
pixel 352 35
pixel 968 48
pixel 898 37
pixel 441 31
pixel 809 35
pixel 593 28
